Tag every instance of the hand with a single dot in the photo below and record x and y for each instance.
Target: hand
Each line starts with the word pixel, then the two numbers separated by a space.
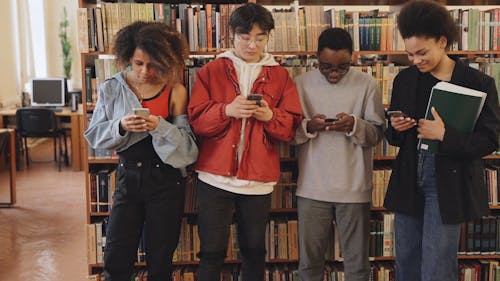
pixel 401 123
pixel 316 124
pixel 344 124
pixel 263 112
pixel 240 107
pixel 133 123
pixel 431 129
pixel 152 122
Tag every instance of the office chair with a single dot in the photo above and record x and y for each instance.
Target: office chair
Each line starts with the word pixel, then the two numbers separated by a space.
pixel 41 123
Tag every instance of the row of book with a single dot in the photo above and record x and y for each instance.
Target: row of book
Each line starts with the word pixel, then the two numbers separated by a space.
pixel 104 67
pixel 380 179
pixel 284 197
pixel 381 241
pixel 493 185
pixel 375 30
pixel 102 186
pixel 382 71
pixel 281 241
pixel 481 270
pixel 296 28
pixel 480 236
pixel 205 28
pixel 96 241
pixel 489 66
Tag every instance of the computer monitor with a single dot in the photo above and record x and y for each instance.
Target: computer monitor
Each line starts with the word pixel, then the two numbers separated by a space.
pixel 48 92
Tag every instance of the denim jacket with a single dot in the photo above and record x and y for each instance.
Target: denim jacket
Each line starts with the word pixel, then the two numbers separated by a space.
pixel 173 142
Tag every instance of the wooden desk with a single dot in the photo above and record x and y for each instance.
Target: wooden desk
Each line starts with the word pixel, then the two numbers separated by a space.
pixel 76 118
pixel 8 191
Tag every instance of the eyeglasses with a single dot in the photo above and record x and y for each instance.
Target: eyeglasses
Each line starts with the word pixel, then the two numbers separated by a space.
pixel 328 68
pixel 246 40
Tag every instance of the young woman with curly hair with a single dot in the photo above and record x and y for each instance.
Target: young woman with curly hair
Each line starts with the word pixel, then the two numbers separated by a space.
pixel 153 149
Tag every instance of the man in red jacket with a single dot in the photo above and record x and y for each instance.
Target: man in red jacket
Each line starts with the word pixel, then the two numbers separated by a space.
pixel 238 163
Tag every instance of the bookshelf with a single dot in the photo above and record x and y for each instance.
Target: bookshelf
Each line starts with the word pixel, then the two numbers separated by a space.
pixel 373 60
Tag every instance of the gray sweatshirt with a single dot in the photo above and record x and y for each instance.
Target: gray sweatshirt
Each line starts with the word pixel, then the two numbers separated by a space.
pixel 337 166
pixel 174 143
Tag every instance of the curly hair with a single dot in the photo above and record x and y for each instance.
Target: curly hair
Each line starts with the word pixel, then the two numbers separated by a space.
pixel 244 17
pixel 166 47
pixel 428 19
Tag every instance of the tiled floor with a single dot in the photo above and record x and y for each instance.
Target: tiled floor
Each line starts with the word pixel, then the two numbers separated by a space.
pixel 43 237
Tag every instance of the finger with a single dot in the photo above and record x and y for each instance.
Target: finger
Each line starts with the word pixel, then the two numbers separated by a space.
pixel 435 114
pixel 317 116
pixel 341 115
pixel 263 103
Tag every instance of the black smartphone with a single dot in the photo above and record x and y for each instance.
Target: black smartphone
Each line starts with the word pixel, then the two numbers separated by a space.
pixel 331 120
pixel 256 97
pixel 396 113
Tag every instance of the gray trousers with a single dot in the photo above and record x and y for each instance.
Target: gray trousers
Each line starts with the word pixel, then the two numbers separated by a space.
pixel 315 229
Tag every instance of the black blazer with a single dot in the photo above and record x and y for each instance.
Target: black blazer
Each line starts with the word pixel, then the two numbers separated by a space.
pixel 462 193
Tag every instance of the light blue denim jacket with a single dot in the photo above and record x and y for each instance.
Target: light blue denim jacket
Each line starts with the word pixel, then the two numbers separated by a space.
pixel 174 143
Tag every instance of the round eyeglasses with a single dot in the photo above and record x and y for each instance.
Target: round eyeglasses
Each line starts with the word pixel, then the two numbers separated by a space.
pixel 246 40
pixel 328 68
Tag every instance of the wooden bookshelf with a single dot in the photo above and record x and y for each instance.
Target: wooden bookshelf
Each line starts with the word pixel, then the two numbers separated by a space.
pixel 288 163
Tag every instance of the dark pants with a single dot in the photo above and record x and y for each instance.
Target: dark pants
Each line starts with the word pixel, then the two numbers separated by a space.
pixel 146 192
pixel 216 208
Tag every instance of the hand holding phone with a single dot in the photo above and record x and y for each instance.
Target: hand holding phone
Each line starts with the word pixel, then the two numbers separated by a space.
pixel 256 97
pixel 144 112
pixel 331 120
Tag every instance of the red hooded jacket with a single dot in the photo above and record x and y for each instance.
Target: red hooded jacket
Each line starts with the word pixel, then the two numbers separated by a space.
pixel 215 86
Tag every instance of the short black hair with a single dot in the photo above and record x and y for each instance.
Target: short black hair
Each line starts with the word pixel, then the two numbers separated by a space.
pixel 335 39
pixel 245 16
pixel 427 19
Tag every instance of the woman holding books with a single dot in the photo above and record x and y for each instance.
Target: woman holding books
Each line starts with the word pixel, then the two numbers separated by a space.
pixel 433 193
pixel 239 161
pixel 141 114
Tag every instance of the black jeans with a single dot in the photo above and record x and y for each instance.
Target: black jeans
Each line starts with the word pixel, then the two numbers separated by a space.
pixel 216 208
pixel 146 192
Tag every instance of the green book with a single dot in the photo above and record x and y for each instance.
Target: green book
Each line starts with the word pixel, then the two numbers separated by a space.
pixel 458 106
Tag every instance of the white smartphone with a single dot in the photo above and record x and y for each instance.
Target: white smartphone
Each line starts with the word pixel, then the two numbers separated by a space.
pixel 141 111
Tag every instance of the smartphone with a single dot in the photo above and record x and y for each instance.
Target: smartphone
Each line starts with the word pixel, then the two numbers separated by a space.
pixel 396 113
pixel 141 111
pixel 331 120
pixel 256 97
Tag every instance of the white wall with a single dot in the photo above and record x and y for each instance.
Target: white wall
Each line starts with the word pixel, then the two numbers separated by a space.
pixel 54 14
pixel 10 88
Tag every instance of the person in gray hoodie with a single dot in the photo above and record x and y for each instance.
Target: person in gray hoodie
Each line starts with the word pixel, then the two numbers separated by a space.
pixel 154 148
pixel 343 121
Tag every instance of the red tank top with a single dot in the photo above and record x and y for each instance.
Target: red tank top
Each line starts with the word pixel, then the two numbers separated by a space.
pixel 159 104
